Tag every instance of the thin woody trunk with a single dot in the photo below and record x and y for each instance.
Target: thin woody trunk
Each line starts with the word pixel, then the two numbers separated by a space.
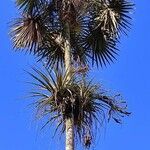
pixel 69 121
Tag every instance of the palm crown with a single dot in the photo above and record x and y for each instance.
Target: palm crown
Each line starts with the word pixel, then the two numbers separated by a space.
pixel 89 104
pixel 95 27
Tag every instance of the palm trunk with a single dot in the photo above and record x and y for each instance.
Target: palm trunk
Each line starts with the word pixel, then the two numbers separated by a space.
pixel 69 134
pixel 69 121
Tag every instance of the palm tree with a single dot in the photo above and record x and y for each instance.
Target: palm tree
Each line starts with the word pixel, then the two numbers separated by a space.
pixel 71 34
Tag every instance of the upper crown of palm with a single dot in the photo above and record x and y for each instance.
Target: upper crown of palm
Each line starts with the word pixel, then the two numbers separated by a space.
pixel 95 27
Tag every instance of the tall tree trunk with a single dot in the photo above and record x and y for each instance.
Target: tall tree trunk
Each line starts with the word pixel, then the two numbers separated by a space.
pixel 69 121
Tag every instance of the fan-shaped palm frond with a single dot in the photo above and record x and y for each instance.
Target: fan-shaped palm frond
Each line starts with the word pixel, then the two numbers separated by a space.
pixel 87 103
pixel 101 50
pixel 27 32
pixel 38 33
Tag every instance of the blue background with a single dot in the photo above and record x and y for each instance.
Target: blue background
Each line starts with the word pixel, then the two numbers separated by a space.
pixel 130 75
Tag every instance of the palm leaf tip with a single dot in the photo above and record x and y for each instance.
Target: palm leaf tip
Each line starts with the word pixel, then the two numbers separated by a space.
pixel 87 103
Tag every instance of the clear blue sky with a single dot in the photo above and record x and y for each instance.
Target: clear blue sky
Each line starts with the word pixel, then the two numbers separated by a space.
pixel 130 75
